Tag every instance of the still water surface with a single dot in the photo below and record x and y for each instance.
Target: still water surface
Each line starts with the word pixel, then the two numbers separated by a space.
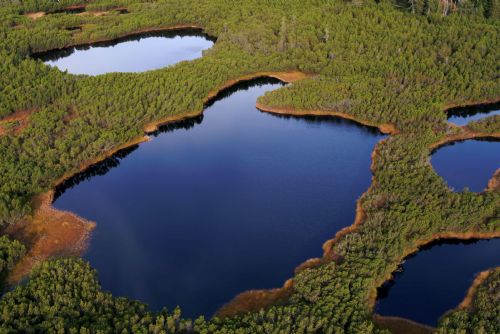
pixel 221 204
pixel 132 54
pixel 469 163
pixel 464 115
pixel 436 279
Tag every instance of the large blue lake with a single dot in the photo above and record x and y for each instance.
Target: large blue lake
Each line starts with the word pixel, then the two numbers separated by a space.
pixel 221 204
pixel 236 199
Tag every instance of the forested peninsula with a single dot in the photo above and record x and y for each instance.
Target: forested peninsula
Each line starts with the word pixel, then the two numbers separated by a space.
pixel 395 65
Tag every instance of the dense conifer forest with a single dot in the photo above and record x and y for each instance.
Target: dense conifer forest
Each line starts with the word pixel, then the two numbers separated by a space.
pixel 394 64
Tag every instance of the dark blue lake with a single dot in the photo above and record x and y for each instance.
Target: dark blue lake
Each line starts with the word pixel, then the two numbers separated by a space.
pixel 436 279
pixel 221 204
pixel 132 54
pixel 464 115
pixel 469 163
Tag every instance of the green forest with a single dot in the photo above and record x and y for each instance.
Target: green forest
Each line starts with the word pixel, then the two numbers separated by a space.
pixel 399 62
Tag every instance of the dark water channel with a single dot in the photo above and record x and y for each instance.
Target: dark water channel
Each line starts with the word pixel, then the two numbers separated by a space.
pixel 464 115
pixel 131 54
pixel 217 205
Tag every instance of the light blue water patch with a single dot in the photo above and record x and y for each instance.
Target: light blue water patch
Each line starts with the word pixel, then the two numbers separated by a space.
pixel 134 54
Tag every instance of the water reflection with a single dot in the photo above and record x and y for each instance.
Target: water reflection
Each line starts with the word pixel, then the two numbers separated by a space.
pixel 333 120
pixel 464 115
pixel 185 124
pixel 100 168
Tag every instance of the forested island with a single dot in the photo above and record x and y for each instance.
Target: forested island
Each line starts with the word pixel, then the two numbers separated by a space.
pixel 397 66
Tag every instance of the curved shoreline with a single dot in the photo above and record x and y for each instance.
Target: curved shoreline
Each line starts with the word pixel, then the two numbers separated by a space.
pixel 48 221
pixel 470 104
pixel 459 236
pixel 269 297
pixel 288 77
pixel 328 254
pixel 51 232
pixel 465 135
pixel 254 300
pixel 398 325
pixel 177 27
pixel 153 126
pixel 385 128
pixel 494 181
pixel 257 299
pixel 471 293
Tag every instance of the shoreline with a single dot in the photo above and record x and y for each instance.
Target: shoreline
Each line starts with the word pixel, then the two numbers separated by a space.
pixel 246 301
pixel 153 126
pixel 52 232
pixel 252 300
pixel 494 182
pixel 288 77
pixel 234 306
pixel 46 220
pixel 385 128
pixel 469 104
pixel 328 254
pixel 387 83
pixel 459 236
pixel 471 293
pixel 465 135
pixel 39 53
pixel 398 325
